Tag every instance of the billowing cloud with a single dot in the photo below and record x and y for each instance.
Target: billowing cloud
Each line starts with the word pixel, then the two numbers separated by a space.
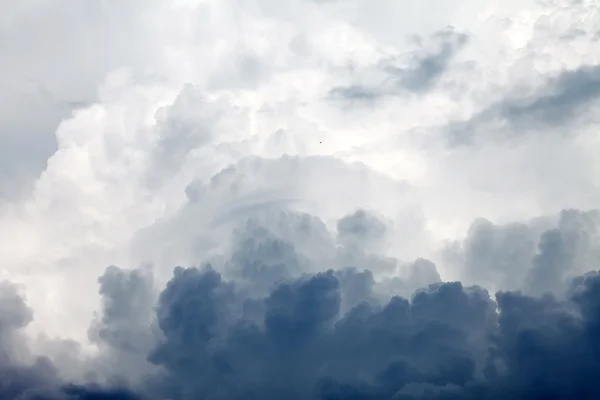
pixel 446 341
pixel 302 199
pixel 536 257
pixel 272 325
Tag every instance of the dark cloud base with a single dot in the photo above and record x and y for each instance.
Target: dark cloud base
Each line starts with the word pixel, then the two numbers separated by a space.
pixel 332 335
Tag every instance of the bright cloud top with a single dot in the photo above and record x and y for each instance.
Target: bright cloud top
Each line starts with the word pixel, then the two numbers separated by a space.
pixel 319 162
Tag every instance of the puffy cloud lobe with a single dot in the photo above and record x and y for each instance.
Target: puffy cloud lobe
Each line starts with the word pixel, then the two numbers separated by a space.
pixel 421 71
pixel 126 330
pixel 38 379
pixel 262 259
pixel 492 253
pixel 51 84
pixel 539 256
pixel 360 227
pixel 303 340
pixel 541 348
pixel 549 348
pixel 446 342
pixel 436 345
pixel 270 325
pixel 127 299
pixel 570 248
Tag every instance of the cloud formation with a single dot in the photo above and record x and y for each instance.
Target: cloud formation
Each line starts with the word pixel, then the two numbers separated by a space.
pixel 424 68
pixel 276 327
pixel 304 199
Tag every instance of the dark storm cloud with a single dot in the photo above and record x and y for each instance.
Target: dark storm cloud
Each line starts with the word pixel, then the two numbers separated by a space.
pixel 570 248
pixel 447 342
pixel 303 340
pixel 562 100
pixel 549 349
pixel 423 71
pixel 332 335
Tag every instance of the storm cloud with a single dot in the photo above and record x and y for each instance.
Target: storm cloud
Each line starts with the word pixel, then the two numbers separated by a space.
pixel 276 329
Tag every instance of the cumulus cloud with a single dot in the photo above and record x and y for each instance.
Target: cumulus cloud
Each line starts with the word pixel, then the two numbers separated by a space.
pixel 302 199
pixel 446 341
pixel 272 325
pixel 26 376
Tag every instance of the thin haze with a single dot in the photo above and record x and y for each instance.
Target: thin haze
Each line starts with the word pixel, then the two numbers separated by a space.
pixel 303 199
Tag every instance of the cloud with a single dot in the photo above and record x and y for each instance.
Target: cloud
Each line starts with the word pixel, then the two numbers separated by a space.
pixel 69 53
pixel 448 340
pixel 423 69
pixel 326 249
pixel 391 349
pixel 279 327
pixel 37 379
pixel 559 104
pixel 536 257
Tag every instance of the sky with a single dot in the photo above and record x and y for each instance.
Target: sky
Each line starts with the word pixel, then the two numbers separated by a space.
pixel 309 199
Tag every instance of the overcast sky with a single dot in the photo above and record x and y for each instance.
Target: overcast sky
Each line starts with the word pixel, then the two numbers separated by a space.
pixel 440 141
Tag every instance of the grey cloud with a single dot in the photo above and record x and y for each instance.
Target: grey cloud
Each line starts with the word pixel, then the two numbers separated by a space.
pixel 558 104
pixel 126 308
pixel 327 331
pixel 126 329
pixel 538 257
pixel 262 258
pixel 561 101
pixel 14 313
pixel 38 379
pixel 356 287
pixel 257 187
pixel 276 246
pixel 423 71
pixel 194 310
pixel 569 249
pixel 421 273
pixel 361 227
pixel 428 68
pixel 300 342
pixel 494 254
